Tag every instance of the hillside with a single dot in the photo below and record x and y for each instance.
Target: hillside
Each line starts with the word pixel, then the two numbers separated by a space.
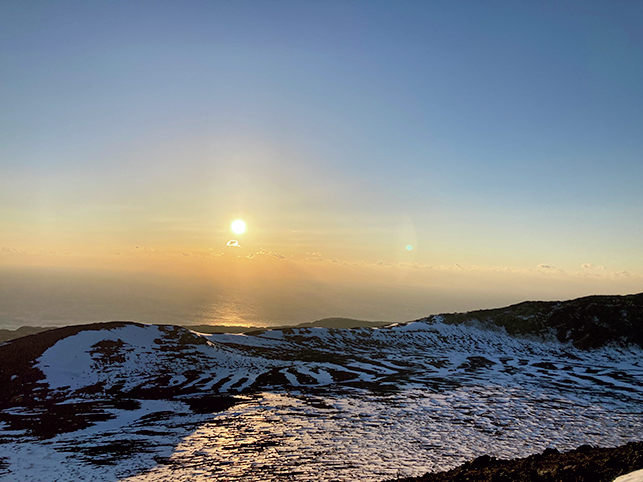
pixel 588 322
pixel 121 396
pixel 6 335
pixel 343 323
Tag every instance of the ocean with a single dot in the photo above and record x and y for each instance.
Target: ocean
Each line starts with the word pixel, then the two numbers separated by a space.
pixel 59 297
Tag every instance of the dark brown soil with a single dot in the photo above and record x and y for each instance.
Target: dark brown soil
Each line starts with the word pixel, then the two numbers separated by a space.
pixel 585 464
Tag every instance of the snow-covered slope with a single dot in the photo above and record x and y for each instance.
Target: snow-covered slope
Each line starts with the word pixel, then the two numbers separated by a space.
pixel 435 355
pixel 146 380
pixel 147 361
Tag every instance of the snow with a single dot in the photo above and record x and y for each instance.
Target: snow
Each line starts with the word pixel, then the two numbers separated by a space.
pixel 60 458
pixel 636 476
pixel 291 378
pixel 319 374
pixel 370 438
pixel 461 391
pixel 69 364
pixel 413 326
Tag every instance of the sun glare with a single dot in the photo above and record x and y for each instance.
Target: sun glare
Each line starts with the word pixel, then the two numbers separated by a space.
pixel 238 226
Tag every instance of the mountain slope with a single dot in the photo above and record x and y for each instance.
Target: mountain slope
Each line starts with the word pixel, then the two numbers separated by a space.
pixel 123 361
pixel 323 323
pixel 104 393
pixel 588 322
pixel 134 360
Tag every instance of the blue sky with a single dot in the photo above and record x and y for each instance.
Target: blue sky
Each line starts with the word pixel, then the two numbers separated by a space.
pixel 486 134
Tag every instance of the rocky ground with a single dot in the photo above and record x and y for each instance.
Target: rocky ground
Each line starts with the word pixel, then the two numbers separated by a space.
pixel 113 400
pixel 585 464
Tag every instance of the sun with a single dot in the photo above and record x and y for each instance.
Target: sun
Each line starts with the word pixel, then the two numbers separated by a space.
pixel 238 226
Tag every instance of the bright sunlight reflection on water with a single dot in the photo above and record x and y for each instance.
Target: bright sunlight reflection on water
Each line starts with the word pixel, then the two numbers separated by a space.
pixel 234 310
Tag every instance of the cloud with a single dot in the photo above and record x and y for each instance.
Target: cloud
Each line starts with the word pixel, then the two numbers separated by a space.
pixel 589 266
pixel 388 264
pixel 250 256
pixel 117 253
pixel 550 269
pixel 314 256
pixel 186 254
pixel 233 243
pixel 422 266
pixel 270 254
pixel 143 249
pixel 6 249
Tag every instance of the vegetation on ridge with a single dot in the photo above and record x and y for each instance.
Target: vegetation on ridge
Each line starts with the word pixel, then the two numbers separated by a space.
pixel 588 322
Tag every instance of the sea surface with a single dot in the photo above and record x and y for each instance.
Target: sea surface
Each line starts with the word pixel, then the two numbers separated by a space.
pixel 57 297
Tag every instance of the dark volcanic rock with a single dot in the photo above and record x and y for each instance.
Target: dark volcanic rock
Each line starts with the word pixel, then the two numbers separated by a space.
pixel 210 404
pixel 585 464
pixel 49 419
pixel 6 335
pixel 589 322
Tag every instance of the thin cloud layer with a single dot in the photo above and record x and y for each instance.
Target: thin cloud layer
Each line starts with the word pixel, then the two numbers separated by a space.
pixel 270 254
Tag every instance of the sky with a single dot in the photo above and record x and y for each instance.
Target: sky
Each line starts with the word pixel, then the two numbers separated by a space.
pixel 402 157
